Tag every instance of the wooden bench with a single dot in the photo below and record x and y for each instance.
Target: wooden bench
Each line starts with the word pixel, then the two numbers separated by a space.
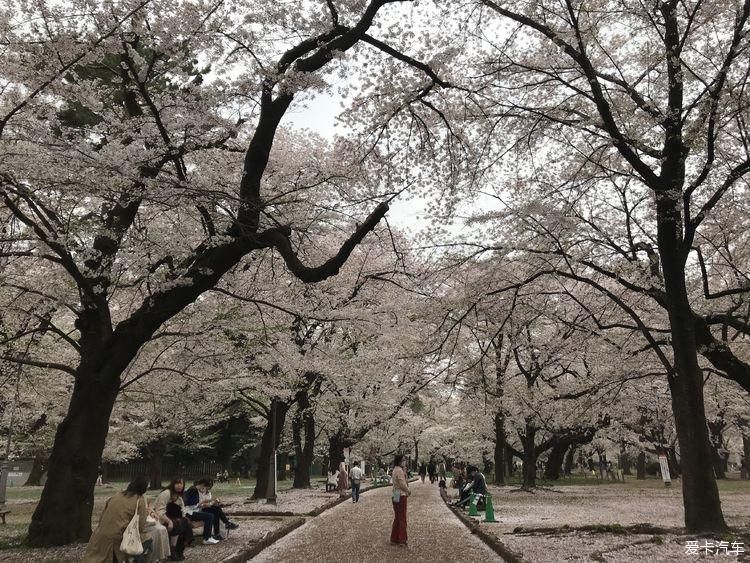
pixel 3 513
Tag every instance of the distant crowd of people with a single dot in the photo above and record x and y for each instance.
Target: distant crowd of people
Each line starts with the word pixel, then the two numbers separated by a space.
pixel 165 527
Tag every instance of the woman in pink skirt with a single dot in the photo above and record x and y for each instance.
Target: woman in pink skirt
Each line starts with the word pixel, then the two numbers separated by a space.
pixel 399 494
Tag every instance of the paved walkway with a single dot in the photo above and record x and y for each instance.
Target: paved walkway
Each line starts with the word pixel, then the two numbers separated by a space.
pixel 361 532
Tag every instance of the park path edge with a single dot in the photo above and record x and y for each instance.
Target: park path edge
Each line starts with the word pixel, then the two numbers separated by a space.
pixel 495 544
pixel 248 552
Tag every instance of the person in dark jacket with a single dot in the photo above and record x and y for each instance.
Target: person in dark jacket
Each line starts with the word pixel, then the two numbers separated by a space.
pixel 432 471
pixel 478 482
pixel 422 471
pixel 194 511
pixel 207 503
pixel 477 485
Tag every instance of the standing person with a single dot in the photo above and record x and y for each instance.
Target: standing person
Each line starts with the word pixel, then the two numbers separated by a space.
pixel 422 471
pixel 342 480
pixel 432 470
pixel 398 496
pixel 441 471
pixel 169 510
pixel 104 545
pixel 356 477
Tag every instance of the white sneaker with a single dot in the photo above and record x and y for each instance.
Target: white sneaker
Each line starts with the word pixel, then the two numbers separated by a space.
pixel 210 541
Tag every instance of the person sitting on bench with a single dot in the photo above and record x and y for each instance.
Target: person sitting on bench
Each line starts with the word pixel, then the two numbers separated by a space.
pixel 475 484
pixel 199 499
pixel 478 485
pixel 331 482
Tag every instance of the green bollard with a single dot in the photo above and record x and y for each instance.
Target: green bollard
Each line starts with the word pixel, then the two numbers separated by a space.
pixel 489 510
pixel 473 505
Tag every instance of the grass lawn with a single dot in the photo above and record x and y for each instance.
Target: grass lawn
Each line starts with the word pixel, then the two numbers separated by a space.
pixel 733 483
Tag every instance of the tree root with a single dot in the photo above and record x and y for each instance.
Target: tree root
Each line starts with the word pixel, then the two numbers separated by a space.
pixel 617 529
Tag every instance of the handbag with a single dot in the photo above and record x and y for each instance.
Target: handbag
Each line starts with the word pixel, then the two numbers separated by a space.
pixel 173 510
pixel 131 537
pixel 396 496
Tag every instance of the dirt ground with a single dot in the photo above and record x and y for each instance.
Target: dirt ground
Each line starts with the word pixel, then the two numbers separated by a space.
pixel 22 502
pixel 612 522
pixel 634 521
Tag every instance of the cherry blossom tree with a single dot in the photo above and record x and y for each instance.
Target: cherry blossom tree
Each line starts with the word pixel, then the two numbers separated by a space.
pixel 138 157
pixel 639 151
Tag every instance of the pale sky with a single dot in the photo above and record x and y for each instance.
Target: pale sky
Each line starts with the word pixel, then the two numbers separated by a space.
pixel 320 116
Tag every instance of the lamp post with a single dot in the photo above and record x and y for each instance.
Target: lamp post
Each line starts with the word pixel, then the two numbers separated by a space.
pixel 271 492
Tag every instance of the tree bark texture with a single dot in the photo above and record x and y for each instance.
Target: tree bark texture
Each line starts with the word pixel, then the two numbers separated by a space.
pixel 529 457
pixel 304 446
pixel 63 514
pixel 555 461
pixel 700 493
pixel 41 461
pixel 500 449
pixel 280 409
pixel 640 465
pixel 157 449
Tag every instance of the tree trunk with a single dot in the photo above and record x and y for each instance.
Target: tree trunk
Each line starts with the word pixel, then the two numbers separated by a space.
pixel 716 429
pixel 625 460
pixel 529 457
pixel 674 465
pixel 509 460
pixel 570 460
pixel 499 448
pixel 500 438
pixel 699 491
pixel 157 457
pixel 304 421
pixel 227 445
pixel 336 445
pixel 744 469
pixel 555 461
pixel 416 452
pixel 640 465
pixel 63 514
pixel 266 447
pixel 41 460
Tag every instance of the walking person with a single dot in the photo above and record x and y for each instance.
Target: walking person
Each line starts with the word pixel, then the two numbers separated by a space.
pixel 342 480
pixel 356 478
pixel 422 471
pixel 398 496
pixel 432 470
